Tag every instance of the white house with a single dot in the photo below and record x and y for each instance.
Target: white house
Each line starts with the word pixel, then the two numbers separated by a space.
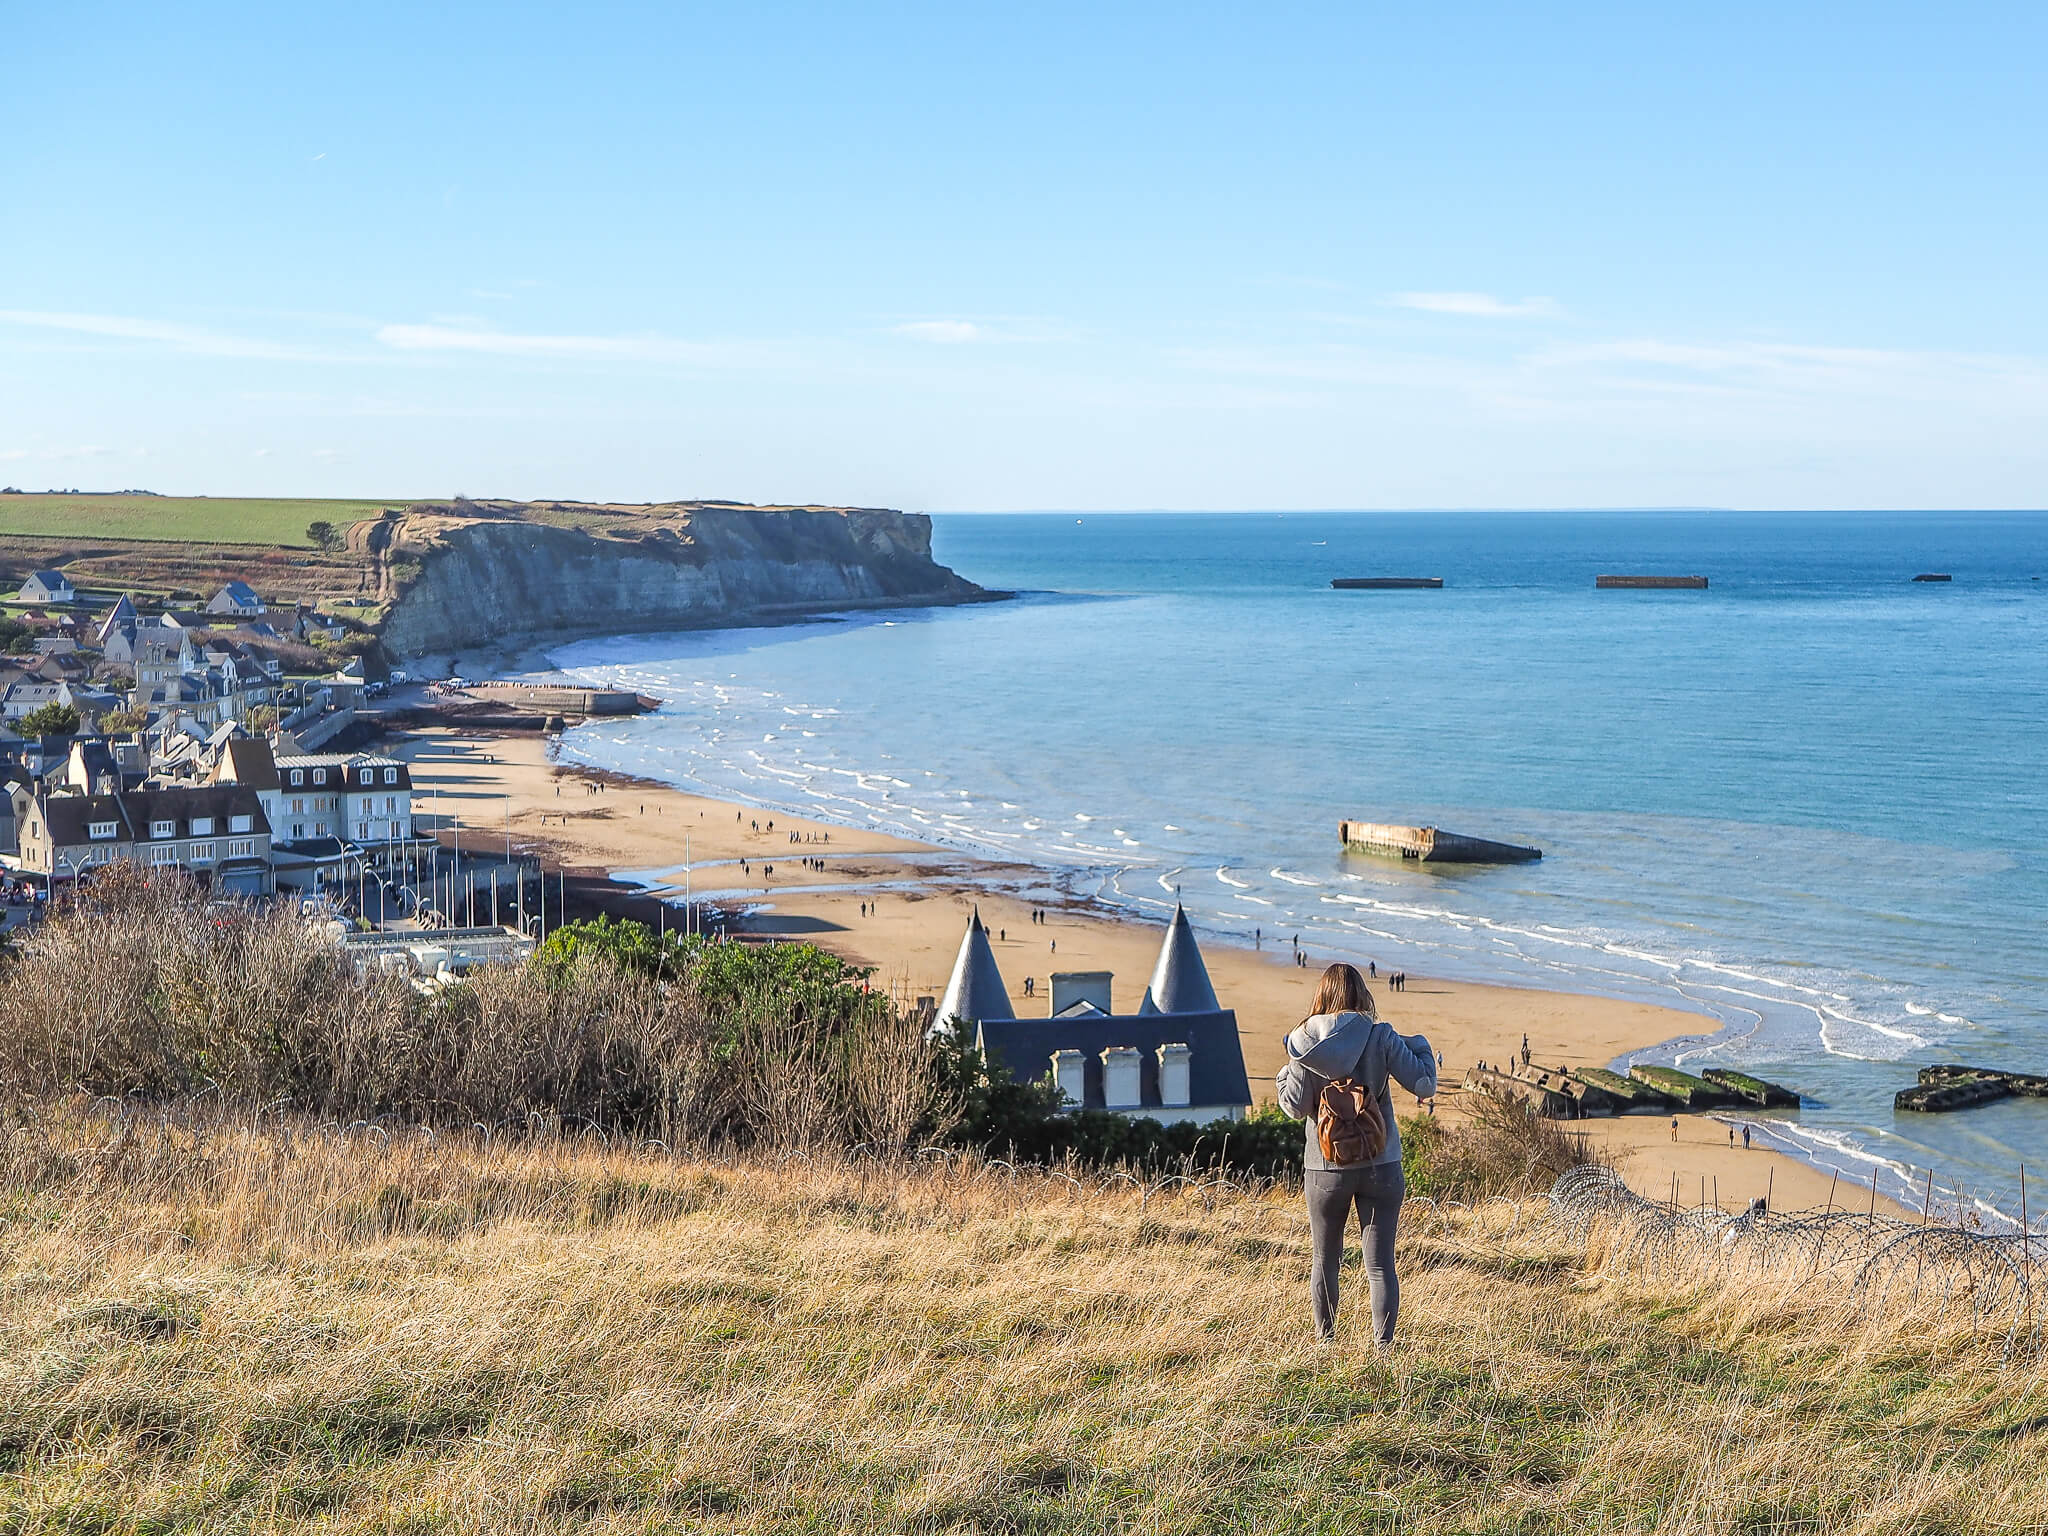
pixel 47 587
pixel 237 598
pixel 357 798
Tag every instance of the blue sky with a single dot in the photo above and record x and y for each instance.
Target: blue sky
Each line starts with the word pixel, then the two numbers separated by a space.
pixel 1093 257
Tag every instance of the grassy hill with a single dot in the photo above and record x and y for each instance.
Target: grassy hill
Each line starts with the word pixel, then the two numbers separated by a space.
pixel 209 1328
pixel 180 519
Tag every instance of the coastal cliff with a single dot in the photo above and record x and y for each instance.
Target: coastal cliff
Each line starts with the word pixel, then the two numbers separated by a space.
pixel 468 575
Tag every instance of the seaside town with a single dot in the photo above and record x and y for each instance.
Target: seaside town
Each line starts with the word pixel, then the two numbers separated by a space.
pixel 973 771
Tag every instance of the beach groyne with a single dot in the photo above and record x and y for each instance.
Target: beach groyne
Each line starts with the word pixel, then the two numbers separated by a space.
pixel 1429 845
pixel 464 582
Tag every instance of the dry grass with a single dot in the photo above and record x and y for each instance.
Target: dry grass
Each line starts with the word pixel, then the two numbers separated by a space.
pixel 209 1327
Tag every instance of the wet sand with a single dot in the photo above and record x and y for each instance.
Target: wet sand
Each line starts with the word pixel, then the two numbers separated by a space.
pixel 918 899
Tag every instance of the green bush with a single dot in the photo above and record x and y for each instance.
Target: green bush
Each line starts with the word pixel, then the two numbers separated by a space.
pixel 50 720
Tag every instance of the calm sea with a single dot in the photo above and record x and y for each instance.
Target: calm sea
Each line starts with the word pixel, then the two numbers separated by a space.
pixel 1809 804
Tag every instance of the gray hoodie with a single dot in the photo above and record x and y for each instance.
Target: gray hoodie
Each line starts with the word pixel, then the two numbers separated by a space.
pixel 1333 1045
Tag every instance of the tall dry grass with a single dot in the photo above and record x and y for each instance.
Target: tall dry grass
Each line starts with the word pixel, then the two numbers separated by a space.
pixel 145 992
pixel 209 1326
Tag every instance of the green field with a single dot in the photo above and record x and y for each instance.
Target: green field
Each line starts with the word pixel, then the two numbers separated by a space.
pixel 180 519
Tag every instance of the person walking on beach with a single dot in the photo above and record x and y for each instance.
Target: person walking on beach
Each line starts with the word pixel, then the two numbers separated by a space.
pixel 1342 1058
pixel 1745 1138
pixel 1674 1127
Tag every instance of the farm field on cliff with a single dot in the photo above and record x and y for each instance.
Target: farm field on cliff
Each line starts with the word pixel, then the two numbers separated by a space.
pixel 181 519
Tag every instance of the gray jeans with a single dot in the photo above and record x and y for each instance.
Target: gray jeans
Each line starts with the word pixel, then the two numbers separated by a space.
pixel 1376 1189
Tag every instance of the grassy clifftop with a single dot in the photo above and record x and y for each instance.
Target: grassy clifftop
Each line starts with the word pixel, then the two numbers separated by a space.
pixel 208 1327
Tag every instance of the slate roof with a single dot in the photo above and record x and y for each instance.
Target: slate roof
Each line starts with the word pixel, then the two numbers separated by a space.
pixel 133 811
pixel 1216 1076
pixel 247 760
pixel 1180 981
pixel 976 993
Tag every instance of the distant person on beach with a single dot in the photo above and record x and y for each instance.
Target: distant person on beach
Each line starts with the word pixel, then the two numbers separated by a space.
pixel 1674 1127
pixel 1374 966
pixel 1745 1138
pixel 1343 1046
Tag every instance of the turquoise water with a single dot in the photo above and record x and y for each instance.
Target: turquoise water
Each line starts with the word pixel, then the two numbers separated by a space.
pixel 1807 804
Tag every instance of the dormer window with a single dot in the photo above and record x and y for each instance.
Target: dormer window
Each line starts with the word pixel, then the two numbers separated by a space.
pixel 369 776
pixel 100 829
pixel 163 829
pixel 241 824
pixel 319 775
pixel 298 776
pixel 202 826
pixel 390 775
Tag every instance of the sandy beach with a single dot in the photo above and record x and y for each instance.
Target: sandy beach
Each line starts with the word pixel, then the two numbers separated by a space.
pixel 901 907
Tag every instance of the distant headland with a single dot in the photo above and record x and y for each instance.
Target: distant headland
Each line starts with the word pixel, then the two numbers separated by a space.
pixel 428 577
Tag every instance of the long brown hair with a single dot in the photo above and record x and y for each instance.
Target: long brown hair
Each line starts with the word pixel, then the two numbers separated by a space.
pixel 1342 990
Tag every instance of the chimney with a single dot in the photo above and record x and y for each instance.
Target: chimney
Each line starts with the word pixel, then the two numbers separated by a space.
pixel 1070 1071
pixel 1120 1077
pixel 1174 1088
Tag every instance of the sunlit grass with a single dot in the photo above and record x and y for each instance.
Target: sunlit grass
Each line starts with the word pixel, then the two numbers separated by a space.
pixel 216 1329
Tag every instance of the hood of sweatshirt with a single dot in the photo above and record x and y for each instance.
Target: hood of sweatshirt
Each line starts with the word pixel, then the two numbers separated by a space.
pixel 1329 1044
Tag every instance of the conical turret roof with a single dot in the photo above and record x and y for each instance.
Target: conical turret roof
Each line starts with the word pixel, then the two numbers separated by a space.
pixel 1180 982
pixel 976 991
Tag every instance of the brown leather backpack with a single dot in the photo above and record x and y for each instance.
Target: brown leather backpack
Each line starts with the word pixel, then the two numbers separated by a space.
pixel 1349 1127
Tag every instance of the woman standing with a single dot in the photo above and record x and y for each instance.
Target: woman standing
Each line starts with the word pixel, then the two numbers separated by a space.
pixel 1341 1040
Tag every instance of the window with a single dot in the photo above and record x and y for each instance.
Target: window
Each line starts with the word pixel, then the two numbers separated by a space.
pixel 298 807
pixel 390 775
pixel 202 853
pixel 368 777
pixel 241 848
pixel 164 853
pixel 391 805
pixel 362 831
pixel 319 829
pixel 394 831
pixel 298 829
pixel 163 829
pixel 101 829
pixel 202 826
pixel 241 824
pixel 319 775
pixel 298 776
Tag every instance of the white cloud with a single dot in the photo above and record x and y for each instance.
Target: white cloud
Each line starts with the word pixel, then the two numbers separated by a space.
pixel 477 340
pixel 945 332
pixel 260 453
pixel 185 338
pixel 326 453
pixel 8 455
pixel 1484 305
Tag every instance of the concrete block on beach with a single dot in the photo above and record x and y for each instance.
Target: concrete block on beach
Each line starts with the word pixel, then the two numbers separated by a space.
pixel 1430 845
pixel 1692 1092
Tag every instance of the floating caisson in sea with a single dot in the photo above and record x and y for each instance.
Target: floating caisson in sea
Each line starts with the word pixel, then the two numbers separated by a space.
pixel 1650 583
pixel 1430 845
pixel 1383 583
pixel 1950 1087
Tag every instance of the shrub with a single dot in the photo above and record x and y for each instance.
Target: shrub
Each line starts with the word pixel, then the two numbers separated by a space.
pixel 1501 1148
pixel 50 720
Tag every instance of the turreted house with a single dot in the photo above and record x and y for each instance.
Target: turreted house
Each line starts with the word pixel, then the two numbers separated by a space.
pixel 1177 1058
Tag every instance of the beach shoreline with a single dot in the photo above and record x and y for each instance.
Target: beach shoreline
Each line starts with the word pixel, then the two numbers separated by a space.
pixel 900 907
